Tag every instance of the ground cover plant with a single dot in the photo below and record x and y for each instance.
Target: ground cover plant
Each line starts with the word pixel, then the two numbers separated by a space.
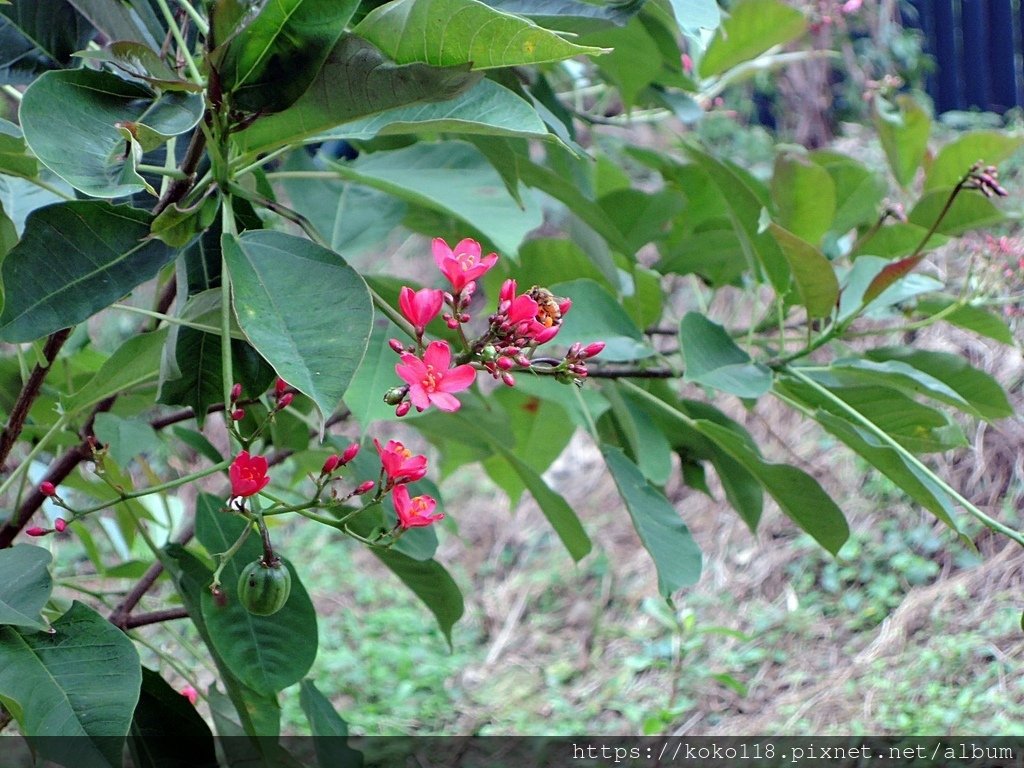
pixel 224 356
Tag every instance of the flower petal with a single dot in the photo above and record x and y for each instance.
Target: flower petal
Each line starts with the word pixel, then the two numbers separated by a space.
pixel 437 356
pixel 458 378
pixel 444 401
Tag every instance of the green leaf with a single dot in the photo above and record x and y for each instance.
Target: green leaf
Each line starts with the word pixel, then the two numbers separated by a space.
pixel 897 240
pixel 692 15
pixel 82 680
pixel 20 197
pixel 27 585
pixel 431 583
pixel 805 197
pixel 265 653
pixel 166 731
pixel 713 359
pixel 858 191
pixel 133 20
pixel 753 26
pixel 955 159
pixel 903 127
pixel 816 281
pixel 126 438
pixel 453 32
pixel 141 61
pixel 970 210
pixel 77 124
pixel 645 444
pixel 640 216
pixel 978 388
pixel 75 259
pixel 375 376
pixel 37 35
pixel 716 255
pixel 356 81
pixel 676 556
pixel 634 61
pixel 277 55
pixel 865 271
pixel 14 160
pixel 454 179
pixel 597 316
pixel 798 494
pixel 315 344
pixel 135 362
pixel 323 721
pixel 968 316
pixel 576 16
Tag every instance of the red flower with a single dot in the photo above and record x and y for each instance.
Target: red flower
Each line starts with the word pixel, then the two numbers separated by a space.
pixel 415 512
pixel 420 307
pixel 47 488
pixel 462 264
pixel 431 381
pixel 399 464
pixel 190 693
pixel 248 474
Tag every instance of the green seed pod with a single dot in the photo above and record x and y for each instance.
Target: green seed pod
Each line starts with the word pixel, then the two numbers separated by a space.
pixel 264 589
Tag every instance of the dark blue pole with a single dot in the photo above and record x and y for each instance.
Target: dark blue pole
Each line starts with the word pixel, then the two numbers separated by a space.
pixel 950 94
pixel 977 76
pixel 1001 59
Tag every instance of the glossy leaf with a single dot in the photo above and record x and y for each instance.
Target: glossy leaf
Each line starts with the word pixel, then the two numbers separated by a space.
pixel 753 26
pixel 316 345
pixel 75 259
pixel 141 61
pixel 597 316
pixel 167 731
pixel 453 179
pixel 903 127
pixel 356 81
pixel 798 494
pixel 20 197
pixel 275 58
pixel 816 281
pixel 133 20
pixel 324 722
pixel 696 14
pixel 77 123
pixel 265 653
pixel 663 533
pixel 805 197
pixel 967 316
pixel 135 362
pixel 955 159
pixel 14 160
pixel 714 360
pixel 447 33
pixel 24 571
pixel 38 35
pixel 82 680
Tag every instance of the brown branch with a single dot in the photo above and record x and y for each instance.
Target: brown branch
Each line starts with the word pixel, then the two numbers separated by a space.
pixel 29 393
pixel 178 188
pixel 630 373
pixel 144 619
pixel 119 617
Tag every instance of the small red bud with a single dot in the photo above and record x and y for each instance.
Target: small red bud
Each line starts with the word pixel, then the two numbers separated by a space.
pixel 396 346
pixel 574 351
pixel 36 531
pixel 463 318
pixel 523 360
pixel 238 414
pixel 402 409
pixel 236 391
pixel 451 322
pixel 508 379
pixel 365 487
pixel 331 464
pixel 47 488
pixel 286 400
pixel 505 363
pixel 60 524
pixel 280 386
pixel 592 350
pixel 350 453
pixel 220 599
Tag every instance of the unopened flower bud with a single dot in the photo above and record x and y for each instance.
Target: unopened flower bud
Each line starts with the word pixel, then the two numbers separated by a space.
pixel 395 395
pixel 505 363
pixel 349 453
pixel 286 400
pixel 451 322
pixel 396 346
pixel 238 414
pixel 330 464
pixel 36 531
pixel 463 318
pixel 220 599
pixel 60 524
pixel 236 391
pixel 365 487
pixel 47 488
pixel 402 409
pixel 574 351
pixel 489 353
pixel 522 360
pixel 280 386
pixel 508 379
pixel 592 350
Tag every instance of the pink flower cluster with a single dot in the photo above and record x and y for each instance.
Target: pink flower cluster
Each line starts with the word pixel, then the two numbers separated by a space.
pixel 398 467
pixel 522 322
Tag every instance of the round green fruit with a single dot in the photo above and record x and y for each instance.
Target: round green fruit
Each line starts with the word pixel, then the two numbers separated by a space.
pixel 264 589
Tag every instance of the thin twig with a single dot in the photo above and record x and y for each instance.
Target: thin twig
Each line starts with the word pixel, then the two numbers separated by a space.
pixel 155 617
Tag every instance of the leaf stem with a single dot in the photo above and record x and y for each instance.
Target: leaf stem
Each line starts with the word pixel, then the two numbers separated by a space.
pixel 196 17
pixel 166 318
pixel 172 26
pixel 227 374
pixel 159 488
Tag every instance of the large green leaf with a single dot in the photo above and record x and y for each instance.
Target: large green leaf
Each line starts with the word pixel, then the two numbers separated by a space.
pixel 576 16
pixel 141 61
pixel 816 281
pixel 955 159
pixel 82 680
pixel 332 752
pixel 714 360
pixel 453 32
pixel 74 259
pixel 597 316
pixel 663 533
pixel 752 27
pixel 27 585
pixel 356 81
pixel 19 197
pixel 454 179
pixel 266 653
pixel 897 240
pixel 634 62
pixel 315 344
pixel 973 318
pixel 275 58
pixel 167 731
pixel 375 376
pixel 693 15
pixel 858 190
pixel 37 35
pixel 805 197
pixel 798 494
pixel 642 439
pixel 14 159
pixel 133 20
pixel 903 126
pixel 970 210
pixel 135 362
pixel 78 123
